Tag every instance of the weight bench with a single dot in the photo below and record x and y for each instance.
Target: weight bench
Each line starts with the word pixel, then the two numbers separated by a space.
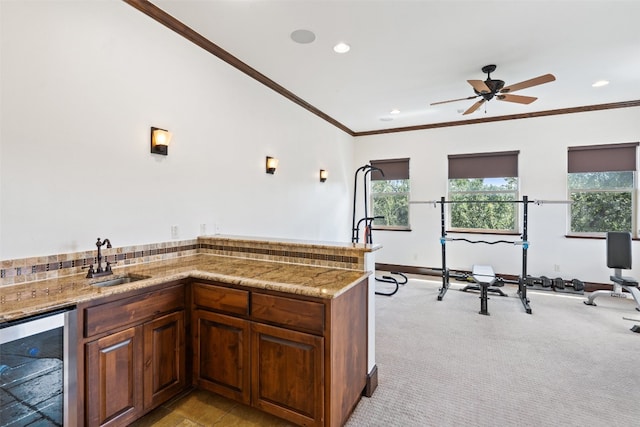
pixel 619 258
pixel 485 280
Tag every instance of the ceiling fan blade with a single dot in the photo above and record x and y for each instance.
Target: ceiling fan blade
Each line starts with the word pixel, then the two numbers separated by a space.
pixel 517 98
pixel 479 86
pixel 528 83
pixel 453 100
pixel 474 107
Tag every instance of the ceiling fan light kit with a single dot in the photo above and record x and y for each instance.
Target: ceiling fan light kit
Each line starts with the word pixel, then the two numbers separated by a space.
pixel 493 88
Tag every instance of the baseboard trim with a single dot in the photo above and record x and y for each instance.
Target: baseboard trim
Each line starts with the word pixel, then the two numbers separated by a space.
pixel 429 271
pixel 426 271
pixel 372 382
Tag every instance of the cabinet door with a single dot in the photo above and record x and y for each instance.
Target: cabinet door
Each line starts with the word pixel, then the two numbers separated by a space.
pixel 287 374
pixel 114 386
pixel 164 358
pixel 221 355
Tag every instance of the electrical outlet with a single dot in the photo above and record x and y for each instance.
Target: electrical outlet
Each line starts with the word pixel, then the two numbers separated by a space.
pixel 174 231
pixel 203 229
pixel 556 267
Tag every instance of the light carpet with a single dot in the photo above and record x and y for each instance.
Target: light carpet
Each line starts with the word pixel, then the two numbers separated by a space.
pixel 440 363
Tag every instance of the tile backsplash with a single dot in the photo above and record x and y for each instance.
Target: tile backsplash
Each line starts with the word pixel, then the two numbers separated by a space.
pixel 53 266
pixel 343 256
pixel 317 254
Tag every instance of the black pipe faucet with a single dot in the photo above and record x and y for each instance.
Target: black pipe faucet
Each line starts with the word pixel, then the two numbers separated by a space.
pixel 100 271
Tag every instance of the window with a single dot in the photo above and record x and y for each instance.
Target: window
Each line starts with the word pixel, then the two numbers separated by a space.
pixel 601 184
pixel 484 177
pixel 390 194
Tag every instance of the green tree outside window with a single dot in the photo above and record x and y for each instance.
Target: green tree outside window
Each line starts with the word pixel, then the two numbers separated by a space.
pixel 390 199
pixel 601 201
pixel 486 216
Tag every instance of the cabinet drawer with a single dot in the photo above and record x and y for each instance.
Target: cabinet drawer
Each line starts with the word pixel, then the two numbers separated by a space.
pixel 112 315
pixel 228 300
pixel 288 312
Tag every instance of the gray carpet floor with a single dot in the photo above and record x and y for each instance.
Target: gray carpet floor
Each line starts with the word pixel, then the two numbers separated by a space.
pixel 441 363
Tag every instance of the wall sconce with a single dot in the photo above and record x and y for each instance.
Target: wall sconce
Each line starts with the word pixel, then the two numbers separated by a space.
pixel 272 164
pixel 160 139
pixel 323 175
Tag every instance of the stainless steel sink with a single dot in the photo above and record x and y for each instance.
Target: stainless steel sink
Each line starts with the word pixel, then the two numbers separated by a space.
pixel 120 280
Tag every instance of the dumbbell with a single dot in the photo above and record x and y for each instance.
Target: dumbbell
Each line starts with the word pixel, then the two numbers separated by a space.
pixel 558 283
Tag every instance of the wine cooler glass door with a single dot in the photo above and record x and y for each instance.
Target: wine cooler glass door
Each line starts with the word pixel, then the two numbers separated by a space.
pixel 32 374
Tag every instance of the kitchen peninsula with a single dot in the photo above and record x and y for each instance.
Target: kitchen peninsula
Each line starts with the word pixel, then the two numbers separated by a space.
pixel 288 320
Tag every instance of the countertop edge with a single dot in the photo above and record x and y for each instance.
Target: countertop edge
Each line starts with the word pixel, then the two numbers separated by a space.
pixel 95 293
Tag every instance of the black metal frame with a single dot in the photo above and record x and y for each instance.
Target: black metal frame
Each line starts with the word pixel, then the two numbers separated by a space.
pixel 368 224
pixel 390 279
pixel 355 228
pixel 522 287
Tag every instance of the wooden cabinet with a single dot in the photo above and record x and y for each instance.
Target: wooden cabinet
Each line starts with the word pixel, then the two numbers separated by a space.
pixel 221 341
pixel 288 374
pixel 221 354
pixel 299 358
pixel 134 354
pixel 308 316
pixel 164 358
pixel 114 392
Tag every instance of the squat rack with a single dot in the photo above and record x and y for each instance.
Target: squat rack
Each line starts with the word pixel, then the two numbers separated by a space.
pixel 522 287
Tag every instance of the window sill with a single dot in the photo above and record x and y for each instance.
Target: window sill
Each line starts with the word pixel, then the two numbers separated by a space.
pixel 593 237
pixel 585 236
pixel 378 228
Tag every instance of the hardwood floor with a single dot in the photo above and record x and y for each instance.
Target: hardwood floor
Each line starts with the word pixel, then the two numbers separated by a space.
pixel 201 408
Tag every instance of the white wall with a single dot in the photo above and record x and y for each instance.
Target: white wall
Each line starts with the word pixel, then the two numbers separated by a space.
pixel 82 83
pixel 543 146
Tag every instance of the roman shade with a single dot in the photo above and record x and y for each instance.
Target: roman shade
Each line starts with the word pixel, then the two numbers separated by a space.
pixel 483 165
pixel 602 158
pixel 392 168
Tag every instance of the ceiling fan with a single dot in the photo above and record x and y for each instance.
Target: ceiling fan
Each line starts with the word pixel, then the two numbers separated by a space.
pixel 491 88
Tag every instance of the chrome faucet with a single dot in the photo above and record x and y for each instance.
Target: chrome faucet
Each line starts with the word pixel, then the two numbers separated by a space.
pixel 100 271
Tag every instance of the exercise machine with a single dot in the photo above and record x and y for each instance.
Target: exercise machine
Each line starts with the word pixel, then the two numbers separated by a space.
pixel 484 271
pixel 390 279
pixel 618 258
pixel 367 220
pixel 486 281
pixel 484 276
pixel 368 226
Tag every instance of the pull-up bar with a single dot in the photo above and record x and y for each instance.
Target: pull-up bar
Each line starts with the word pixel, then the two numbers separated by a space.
pixel 535 202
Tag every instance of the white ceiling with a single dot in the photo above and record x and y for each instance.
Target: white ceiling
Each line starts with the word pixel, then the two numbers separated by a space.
pixel 407 54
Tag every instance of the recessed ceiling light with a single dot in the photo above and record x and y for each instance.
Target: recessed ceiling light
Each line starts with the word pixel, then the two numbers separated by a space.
pixel 303 36
pixel 600 83
pixel 394 111
pixel 341 48
pixel 386 119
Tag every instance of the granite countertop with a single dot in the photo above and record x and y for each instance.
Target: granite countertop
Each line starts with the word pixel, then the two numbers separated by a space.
pixel 32 298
